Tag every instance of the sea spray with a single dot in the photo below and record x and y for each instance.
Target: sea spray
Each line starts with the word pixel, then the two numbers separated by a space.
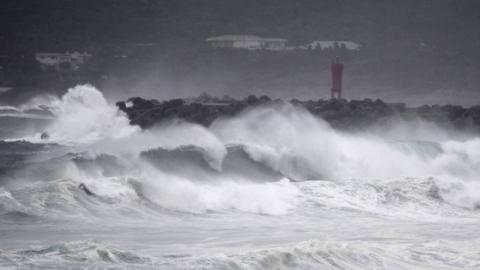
pixel 83 115
pixel 271 187
pixel 280 141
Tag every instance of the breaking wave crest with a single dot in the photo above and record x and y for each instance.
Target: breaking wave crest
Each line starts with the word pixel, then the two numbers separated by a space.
pixel 83 115
pixel 271 188
pixel 74 254
pixel 356 254
pixel 251 162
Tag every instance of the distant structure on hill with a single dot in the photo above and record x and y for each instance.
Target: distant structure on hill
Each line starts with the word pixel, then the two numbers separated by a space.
pixel 247 42
pixel 62 61
pixel 331 45
pixel 251 42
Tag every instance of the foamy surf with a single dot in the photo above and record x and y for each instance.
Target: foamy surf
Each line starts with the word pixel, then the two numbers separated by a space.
pixel 271 188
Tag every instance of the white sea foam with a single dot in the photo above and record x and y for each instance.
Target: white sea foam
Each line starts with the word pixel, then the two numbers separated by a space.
pixel 181 194
pixel 83 115
pixel 283 138
pixel 372 200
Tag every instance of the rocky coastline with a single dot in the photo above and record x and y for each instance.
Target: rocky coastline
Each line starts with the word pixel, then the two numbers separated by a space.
pixel 339 113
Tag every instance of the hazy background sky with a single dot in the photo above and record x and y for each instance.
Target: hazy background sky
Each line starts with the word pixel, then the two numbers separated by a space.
pixel 413 51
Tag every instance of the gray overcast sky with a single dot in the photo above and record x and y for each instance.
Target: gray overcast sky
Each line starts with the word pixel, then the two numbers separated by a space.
pixel 413 51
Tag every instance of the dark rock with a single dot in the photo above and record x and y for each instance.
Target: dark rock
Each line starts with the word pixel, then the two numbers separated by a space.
pixel 340 113
pixel 45 136
pixel 121 105
pixel 87 191
pixel 252 100
pixel 265 99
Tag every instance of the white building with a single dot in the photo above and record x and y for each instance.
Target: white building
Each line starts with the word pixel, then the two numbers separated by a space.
pixel 62 61
pixel 332 44
pixel 248 42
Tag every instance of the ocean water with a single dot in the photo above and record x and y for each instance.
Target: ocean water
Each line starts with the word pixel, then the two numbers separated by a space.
pixel 272 188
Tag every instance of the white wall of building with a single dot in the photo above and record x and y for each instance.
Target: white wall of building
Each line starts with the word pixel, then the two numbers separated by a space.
pixel 248 44
pixel 54 60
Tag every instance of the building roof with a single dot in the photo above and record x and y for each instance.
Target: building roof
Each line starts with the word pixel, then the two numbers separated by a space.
pixel 64 54
pixel 50 54
pixel 274 39
pixel 244 38
pixel 234 38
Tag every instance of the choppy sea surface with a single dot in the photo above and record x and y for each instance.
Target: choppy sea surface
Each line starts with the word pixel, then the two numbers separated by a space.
pixel 272 188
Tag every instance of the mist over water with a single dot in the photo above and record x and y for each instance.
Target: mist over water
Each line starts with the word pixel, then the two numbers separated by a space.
pixel 272 188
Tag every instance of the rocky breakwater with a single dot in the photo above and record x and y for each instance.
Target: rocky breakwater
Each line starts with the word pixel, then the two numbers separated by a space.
pixel 340 113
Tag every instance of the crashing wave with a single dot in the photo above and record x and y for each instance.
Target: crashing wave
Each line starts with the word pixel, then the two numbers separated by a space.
pixel 259 152
pixel 313 254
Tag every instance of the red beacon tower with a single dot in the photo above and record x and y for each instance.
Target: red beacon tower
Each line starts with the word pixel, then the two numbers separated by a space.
pixel 337 70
